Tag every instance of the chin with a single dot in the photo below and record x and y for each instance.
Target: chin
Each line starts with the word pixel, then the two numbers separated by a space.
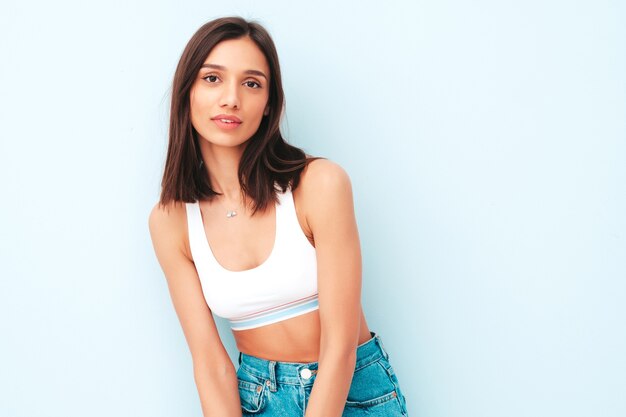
pixel 230 143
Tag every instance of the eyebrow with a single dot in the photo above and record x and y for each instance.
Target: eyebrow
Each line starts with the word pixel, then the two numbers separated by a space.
pixel 250 71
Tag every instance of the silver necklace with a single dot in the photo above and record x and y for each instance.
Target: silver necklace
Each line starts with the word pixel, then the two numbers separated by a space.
pixel 230 213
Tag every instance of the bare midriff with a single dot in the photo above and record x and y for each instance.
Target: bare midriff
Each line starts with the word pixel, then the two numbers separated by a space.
pixel 293 340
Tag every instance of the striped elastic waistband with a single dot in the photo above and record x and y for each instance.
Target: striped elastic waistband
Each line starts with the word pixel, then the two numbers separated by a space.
pixel 276 314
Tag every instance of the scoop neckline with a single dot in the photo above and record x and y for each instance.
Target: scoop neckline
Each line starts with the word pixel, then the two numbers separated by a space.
pixel 243 271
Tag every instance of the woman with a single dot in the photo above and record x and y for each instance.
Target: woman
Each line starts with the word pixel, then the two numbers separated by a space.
pixel 252 229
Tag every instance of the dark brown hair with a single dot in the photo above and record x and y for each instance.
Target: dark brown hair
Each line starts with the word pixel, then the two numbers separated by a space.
pixel 267 158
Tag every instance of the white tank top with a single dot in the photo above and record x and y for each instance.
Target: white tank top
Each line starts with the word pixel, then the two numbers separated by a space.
pixel 282 287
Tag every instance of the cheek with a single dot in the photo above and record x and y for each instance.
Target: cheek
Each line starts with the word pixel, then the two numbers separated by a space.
pixel 260 105
pixel 197 107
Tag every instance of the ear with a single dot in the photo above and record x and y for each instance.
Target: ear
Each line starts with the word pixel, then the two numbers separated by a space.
pixel 266 111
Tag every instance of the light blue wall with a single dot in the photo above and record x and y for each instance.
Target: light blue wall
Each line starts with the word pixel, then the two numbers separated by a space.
pixel 486 142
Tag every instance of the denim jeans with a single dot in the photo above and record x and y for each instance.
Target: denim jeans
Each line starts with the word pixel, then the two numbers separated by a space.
pixel 277 389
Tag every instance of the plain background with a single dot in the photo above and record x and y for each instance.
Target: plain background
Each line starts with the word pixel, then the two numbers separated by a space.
pixel 486 143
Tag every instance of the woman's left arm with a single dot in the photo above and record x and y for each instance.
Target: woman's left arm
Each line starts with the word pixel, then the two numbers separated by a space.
pixel 331 219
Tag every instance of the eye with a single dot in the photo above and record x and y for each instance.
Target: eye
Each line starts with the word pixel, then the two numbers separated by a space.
pixel 211 78
pixel 252 84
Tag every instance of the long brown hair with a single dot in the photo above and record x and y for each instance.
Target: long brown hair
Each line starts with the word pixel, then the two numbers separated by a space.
pixel 267 158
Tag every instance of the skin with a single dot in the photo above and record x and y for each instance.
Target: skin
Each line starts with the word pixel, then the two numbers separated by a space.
pixel 328 335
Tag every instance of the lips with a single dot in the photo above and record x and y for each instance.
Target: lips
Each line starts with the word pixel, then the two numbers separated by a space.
pixel 226 118
pixel 226 121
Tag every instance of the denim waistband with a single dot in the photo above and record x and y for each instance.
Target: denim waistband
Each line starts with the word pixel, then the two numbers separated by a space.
pixel 292 372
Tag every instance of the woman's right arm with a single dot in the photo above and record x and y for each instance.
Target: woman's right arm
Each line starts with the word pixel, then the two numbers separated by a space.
pixel 213 370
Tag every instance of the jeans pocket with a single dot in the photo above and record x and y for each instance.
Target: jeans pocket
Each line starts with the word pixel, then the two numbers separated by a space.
pixel 371 386
pixel 394 380
pixel 251 392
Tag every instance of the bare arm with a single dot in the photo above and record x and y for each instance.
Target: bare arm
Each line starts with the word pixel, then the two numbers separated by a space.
pixel 330 216
pixel 214 373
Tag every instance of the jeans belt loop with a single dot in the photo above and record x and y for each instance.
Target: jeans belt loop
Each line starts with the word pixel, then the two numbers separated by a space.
pixel 382 347
pixel 272 370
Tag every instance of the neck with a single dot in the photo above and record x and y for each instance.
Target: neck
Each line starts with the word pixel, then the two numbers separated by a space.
pixel 222 164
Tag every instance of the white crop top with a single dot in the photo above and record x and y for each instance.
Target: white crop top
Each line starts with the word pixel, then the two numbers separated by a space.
pixel 282 287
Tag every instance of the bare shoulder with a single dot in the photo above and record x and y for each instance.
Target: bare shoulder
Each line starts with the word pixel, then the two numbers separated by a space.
pixel 325 189
pixel 168 227
pixel 166 218
pixel 326 176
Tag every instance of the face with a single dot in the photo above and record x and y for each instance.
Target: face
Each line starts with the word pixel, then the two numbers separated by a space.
pixel 230 94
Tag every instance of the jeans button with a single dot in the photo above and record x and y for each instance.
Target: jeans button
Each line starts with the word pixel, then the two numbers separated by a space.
pixel 305 373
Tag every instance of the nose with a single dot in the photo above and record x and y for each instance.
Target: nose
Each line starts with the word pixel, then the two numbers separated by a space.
pixel 230 95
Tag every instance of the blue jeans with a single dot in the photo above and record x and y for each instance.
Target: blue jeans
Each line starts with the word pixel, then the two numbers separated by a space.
pixel 272 388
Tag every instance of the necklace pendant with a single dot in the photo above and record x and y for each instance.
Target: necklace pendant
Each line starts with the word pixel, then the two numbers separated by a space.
pixel 231 213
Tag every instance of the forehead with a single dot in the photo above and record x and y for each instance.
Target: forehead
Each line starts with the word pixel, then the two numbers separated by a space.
pixel 238 55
